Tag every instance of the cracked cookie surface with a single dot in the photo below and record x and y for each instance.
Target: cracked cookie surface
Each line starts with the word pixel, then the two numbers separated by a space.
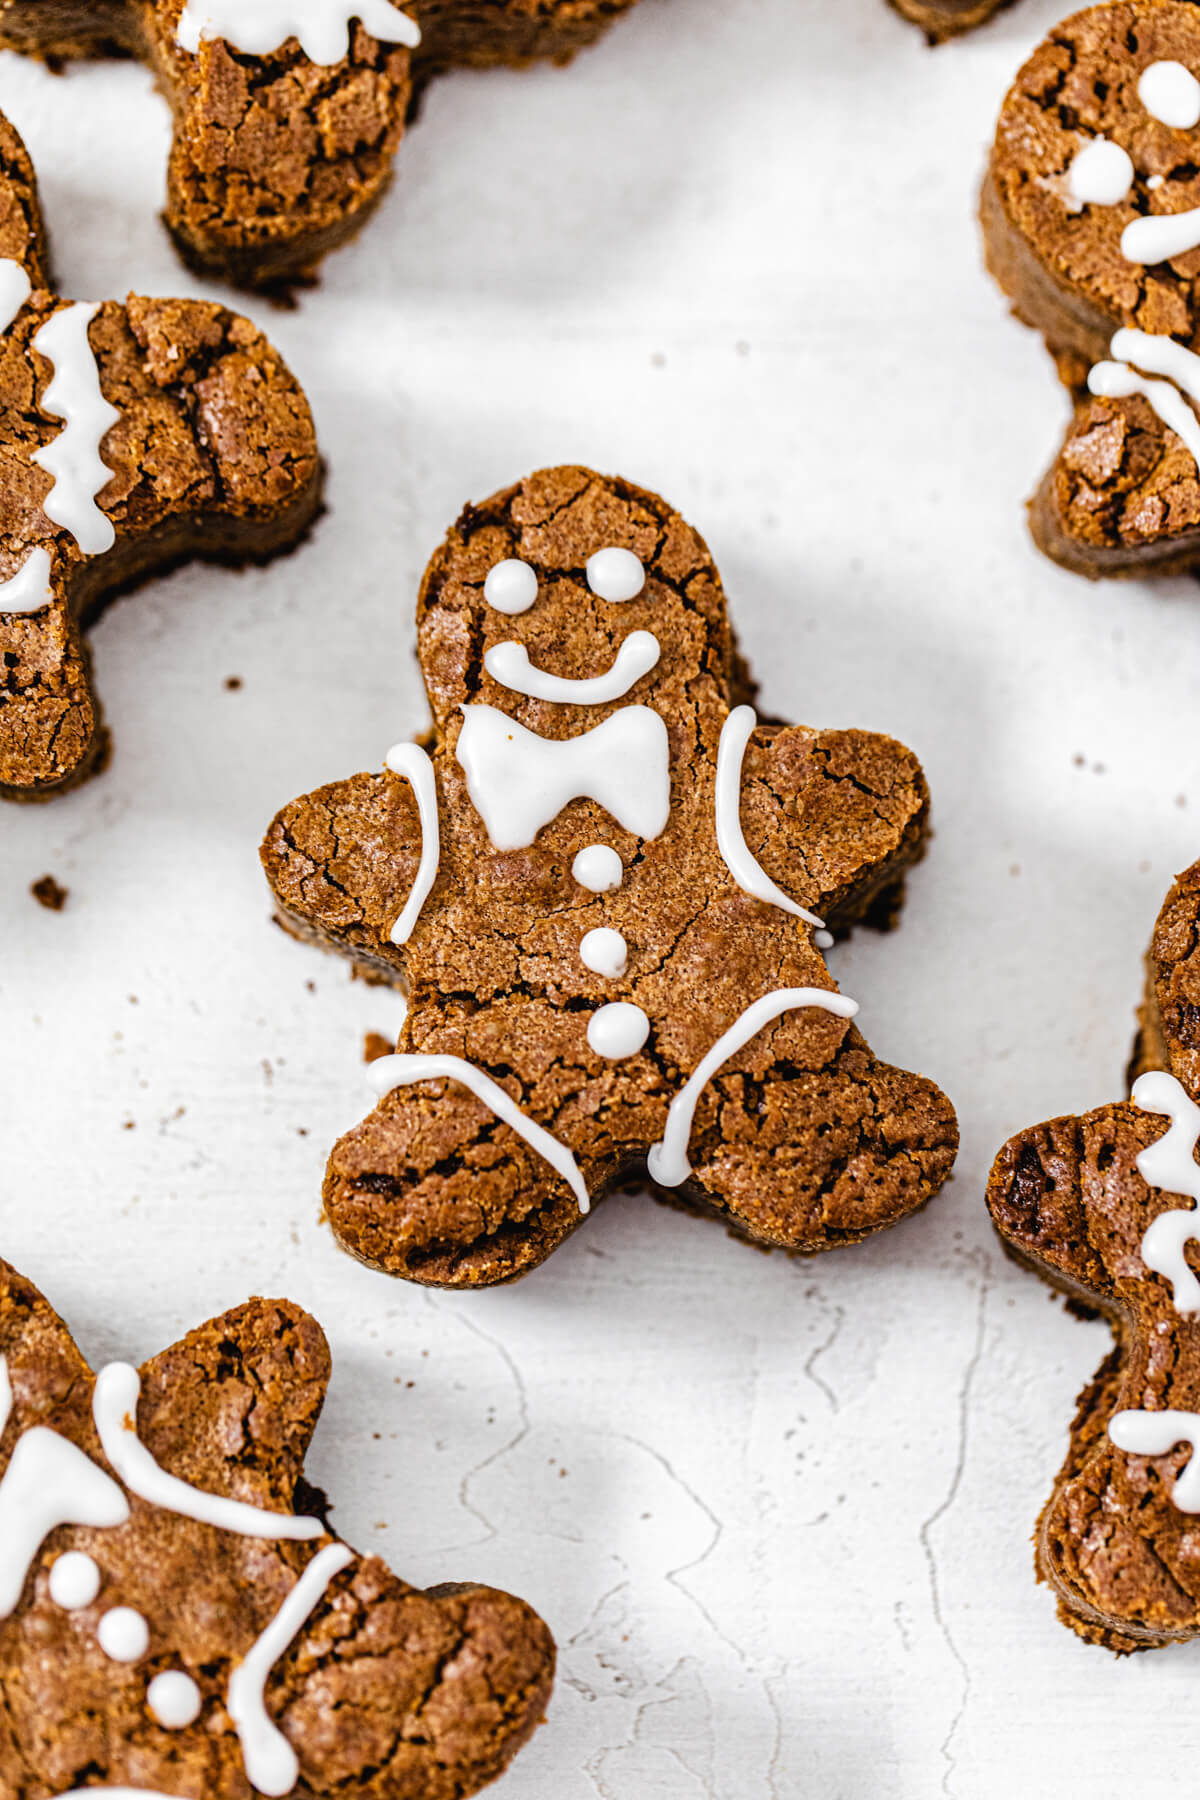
pixel 201 444
pixel 589 999
pixel 140 1650
pixel 276 158
pixel 1123 495
pixel 1100 1206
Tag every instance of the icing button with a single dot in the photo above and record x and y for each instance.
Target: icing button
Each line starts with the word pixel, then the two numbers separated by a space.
pixel 123 1634
pixel 618 1030
pixel 174 1699
pixel 598 868
pixel 74 1581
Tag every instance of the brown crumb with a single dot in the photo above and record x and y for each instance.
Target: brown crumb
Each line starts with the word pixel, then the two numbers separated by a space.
pixel 49 894
pixel 376 1045
pixel 233 683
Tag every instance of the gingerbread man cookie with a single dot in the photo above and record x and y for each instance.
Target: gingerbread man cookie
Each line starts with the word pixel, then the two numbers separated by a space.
pixel 288 113
pixel 1091 217
pixel 1105 1207
pixel 131 438
pixel 599 883
pixel 177 1619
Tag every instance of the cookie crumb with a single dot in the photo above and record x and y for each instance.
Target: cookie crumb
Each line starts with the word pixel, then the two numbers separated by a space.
pixel 233 683
pixel 49 894
pixel 376 1045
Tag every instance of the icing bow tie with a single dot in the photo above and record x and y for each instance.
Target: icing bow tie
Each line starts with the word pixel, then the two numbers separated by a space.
pixel 519 781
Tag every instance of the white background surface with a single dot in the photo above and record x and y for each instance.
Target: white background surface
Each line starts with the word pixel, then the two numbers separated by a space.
pixel 777 1514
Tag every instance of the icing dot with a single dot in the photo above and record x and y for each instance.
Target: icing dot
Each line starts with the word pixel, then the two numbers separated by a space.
pixel 124 1634
pixel 511 586
pixel 823 940
pixel 615 574
pixel 74 1581
pixel 617 1030
pixel 598 868
pixel 1171 94
pixel 1101 174
pixel 174 1699
pixel 604 952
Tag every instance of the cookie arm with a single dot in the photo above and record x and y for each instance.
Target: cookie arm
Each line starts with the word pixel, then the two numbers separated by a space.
pixel 341 863
pixel 1039 1188
pixel 834 817
pixel 1169 1019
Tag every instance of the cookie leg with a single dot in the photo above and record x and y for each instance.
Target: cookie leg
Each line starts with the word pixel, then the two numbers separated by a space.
pixel 811 1160
pixel 433 1187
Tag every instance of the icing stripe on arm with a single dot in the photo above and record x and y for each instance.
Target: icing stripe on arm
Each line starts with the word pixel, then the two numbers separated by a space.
pixel 668 1160
pixel 29 589
pixel 73 457
pixel 114 1408
pixel 390 1072
pixel 736 733
pixel 1156 1434
pixel 413 764
pixel 322 27
pixel 1170 1165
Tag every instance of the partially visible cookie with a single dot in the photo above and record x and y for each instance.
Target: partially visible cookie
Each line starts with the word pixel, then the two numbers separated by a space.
pixel 287 117
pixel 1091 218
pixel 1105 1207
pixel 132 438
pixel 602 884
pixel 177 1617
pixel 942 19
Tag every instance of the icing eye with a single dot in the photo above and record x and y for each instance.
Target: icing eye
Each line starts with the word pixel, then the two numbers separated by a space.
pixel 1101 174
pixel 615 575
pixel 174 1699
pixel 74 1581
pixel 1171 94
pixel 511 586
pixel 124 1634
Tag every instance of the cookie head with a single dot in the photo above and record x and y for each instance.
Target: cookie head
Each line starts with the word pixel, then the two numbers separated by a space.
pixel 1091 215
pixel 176 1615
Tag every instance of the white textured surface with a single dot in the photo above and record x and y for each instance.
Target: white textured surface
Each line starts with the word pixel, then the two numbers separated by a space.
pixel 777 1514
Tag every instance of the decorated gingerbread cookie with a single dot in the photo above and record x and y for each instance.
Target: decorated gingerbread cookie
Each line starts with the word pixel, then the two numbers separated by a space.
pixel 602 884
pixel 177 1618
pixel 288 113
pixel 1091 215
pixel 941 19
pixel 1105 1207
pixel 132 438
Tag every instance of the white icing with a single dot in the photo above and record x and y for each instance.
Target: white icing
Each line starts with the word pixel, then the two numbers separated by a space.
pixel 15 289
pixel 598 868
pixel 29 589
pixel 74 1580
pixel 511 586
pixel 401 1070
pixel 259 27
pixel 123 1635
pixel 1101 174
pixel 49 1482
pixel 114 1408
pixel 272 1766
pixel 174 1699
pixel 824 940
pixel 1171 94
pixel 1170 1165
pixel 605 952
pixel 735 735
pixel 1157 1433
pixel 519 781
pixel 615 575
pixel 618 1030
pixel 73 457
pixel 1116 381
pixel 509 664
pixel 6 1394
pixel 668 1161
pixel 413 763
pixel 1160 236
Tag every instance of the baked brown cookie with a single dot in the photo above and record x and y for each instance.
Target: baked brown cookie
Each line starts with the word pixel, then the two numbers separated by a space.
pixel 1091 218
pixel 942 19
pixel 596 885
pixel 1103 1207
pixel 288 113
pixel 132 438
pixel 178 1619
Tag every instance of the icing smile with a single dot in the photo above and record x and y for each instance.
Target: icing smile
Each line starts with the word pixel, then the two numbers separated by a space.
pixel 509 664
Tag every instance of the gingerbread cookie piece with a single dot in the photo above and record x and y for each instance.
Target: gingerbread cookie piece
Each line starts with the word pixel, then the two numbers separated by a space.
pixel 942 19
pixel 288 113
pixel 178 1619
pixel 599 883
pixel 1091 217
pixel 131 438
pixel 1105 1208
